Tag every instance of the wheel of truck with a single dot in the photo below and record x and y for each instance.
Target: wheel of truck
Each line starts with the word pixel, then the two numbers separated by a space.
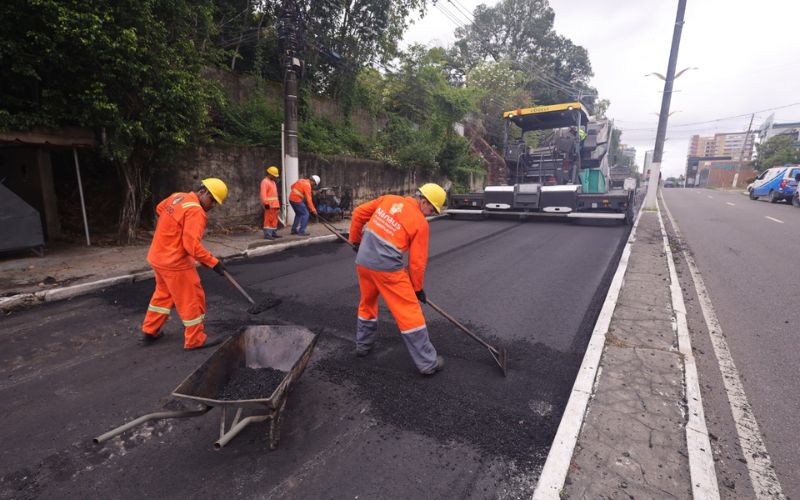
pixel 752 196
pixel 796 201
pixel 772 197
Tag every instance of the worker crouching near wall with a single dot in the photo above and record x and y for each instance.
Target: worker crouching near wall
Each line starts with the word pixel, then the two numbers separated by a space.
pixel 175 249
pixel 382 231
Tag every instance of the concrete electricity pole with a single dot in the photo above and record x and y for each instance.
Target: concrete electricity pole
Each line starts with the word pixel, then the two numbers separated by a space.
pixel 650 200
pixel 291 34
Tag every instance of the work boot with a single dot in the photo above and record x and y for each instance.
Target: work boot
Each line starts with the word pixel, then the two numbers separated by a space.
pixel 436 368
pixel 275 234
pixel 208 343
pixel 267 234
pixel 148 339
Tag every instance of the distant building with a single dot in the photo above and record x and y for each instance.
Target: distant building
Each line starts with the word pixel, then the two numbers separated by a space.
pixel 629 152
pixel 737 145
pixel 770 129
pixel 724 173
pixel 692 168
pixel 648 161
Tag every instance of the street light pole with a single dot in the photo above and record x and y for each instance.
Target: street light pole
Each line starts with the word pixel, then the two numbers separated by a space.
pixel 650 200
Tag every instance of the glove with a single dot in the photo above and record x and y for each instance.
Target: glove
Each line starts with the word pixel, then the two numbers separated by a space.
pixel 421 296
pixel 355 247
pixel 220 268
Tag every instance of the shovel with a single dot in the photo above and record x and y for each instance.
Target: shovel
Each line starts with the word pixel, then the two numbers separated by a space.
pixel 332 229
pixel 254 308
pixel 500 355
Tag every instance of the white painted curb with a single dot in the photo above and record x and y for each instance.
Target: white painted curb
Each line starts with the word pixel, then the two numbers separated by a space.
pixel 555 470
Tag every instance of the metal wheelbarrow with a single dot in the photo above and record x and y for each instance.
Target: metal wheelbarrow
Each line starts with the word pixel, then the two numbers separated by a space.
pixel 284 348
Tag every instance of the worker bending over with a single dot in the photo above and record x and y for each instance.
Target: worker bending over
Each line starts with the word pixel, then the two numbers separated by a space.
pixel 302 204
pixel 382 231
pixel 269 200
pixel 175 249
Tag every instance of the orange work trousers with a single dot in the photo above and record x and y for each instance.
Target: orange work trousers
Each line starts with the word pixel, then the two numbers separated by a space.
pixel 396 290
pixel 182 289
pixel 270 218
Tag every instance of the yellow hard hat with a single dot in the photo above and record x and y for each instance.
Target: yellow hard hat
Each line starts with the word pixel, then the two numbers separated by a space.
pixel 273 171
pixel 217 188
pixel 435 195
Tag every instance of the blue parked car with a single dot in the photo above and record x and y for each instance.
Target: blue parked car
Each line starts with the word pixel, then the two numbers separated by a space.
pixel 776 183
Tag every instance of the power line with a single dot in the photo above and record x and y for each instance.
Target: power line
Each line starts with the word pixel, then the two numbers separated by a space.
pixel 716 120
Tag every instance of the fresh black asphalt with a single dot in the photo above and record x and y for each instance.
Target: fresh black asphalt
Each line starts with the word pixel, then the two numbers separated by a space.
pixel 354 427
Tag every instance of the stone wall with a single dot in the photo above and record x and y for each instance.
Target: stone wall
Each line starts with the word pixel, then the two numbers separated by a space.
pixel 242 168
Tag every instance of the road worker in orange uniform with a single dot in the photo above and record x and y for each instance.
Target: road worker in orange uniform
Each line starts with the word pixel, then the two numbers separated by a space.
pixel 382 231
pixel 269 200
pixel 302 204
pixel 175 249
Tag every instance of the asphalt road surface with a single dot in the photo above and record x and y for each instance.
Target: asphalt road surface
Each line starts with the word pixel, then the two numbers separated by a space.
pixel 354 427
pixel 747 252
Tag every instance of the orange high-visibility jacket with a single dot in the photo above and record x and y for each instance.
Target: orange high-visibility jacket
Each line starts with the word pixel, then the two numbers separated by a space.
pixel 269 193
pixel 386 228
pixel 301 191
pixel 176 243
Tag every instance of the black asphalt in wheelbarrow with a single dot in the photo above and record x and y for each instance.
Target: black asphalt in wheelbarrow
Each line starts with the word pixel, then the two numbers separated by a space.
pixel 284 348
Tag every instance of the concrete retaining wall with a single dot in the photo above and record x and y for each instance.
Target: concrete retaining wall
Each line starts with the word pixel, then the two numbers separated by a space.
pixel 242 168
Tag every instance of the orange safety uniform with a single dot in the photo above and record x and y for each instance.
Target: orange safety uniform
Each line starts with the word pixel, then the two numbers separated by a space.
pixel 175 249
pixel 301 191
pixel 269 200
pixel 385 229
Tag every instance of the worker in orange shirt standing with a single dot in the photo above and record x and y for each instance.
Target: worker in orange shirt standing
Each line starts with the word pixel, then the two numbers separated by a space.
pixel 269 200
pixel 382 231
pixel 175 249
pixel 302 204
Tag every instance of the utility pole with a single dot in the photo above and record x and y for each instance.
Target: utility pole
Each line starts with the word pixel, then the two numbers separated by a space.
pixel 741 152
pixel 290 34
pixel 650 200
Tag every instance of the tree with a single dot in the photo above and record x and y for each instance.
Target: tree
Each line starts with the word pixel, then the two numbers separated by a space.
pixel 130 69
pixel 778 150
pixel 521 32
pixel 500 89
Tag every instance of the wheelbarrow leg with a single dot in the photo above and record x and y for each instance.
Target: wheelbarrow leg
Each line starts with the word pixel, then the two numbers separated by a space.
pixel 150 416
pixel 226 437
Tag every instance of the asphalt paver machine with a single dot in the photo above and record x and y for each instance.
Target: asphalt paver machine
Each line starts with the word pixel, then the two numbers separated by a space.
pixel 565 175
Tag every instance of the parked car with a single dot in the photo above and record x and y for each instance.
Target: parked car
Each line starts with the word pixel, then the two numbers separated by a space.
pixel 776 183
pixel 796 197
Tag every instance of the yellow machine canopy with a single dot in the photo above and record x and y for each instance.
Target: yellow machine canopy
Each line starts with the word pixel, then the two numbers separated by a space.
pixel 547 117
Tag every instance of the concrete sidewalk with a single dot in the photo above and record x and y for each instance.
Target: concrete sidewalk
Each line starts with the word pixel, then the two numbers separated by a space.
pixel 68 270
pixel 643 434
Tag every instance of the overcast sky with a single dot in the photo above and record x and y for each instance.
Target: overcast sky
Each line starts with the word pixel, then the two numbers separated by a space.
pixel 747 54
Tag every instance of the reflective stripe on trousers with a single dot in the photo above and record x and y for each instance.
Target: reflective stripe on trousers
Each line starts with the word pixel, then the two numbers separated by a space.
pixel 182 289
pixel 396 290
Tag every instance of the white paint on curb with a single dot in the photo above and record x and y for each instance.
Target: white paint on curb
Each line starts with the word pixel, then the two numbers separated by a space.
pixel 268 249
pixel 701 460
pixel 759 464
pixel 554 473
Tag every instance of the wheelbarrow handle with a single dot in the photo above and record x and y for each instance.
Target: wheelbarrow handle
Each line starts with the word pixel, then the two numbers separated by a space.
pixel 332 229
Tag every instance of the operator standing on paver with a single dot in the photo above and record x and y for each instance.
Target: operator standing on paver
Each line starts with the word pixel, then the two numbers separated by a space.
pixel 175 249
pixel 302 204
pixel 269 200
pixel 382 230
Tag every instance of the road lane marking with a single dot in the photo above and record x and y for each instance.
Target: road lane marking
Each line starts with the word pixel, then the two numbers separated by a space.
pixel 710 197
pixel 554 473
pixel 759 464
pixel 731 204
pixel 774 219
pixel 701 459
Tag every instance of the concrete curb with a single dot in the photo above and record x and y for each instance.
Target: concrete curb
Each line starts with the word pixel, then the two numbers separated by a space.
pixel 34 298
pixel 556 467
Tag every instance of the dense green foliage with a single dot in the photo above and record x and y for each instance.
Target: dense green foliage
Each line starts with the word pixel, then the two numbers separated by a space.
pixel 778 151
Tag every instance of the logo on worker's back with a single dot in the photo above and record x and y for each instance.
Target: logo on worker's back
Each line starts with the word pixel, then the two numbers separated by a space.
pixel 177 200
pixel 396 208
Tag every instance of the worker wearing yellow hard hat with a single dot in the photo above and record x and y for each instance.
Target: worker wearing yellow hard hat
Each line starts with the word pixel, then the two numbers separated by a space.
pixel 269 200
pixel 382 231
pixel 175 249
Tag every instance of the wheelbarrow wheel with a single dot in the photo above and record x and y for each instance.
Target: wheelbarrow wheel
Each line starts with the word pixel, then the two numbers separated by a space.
pixel 275 426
